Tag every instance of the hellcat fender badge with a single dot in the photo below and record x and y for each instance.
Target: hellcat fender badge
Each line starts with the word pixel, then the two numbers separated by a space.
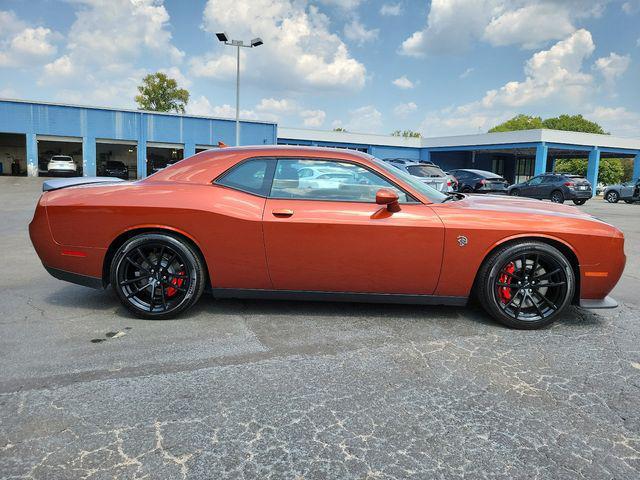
pixel 462 240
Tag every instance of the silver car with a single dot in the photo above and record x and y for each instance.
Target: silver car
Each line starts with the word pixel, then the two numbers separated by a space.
pixel 627 191
pixel 428 173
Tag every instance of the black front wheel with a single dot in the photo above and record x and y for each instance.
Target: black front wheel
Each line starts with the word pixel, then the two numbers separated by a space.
pixel 157 276
pixel 580 201
pixel 526 285
pixel 557 196
pixel 612 197
pixel 515 192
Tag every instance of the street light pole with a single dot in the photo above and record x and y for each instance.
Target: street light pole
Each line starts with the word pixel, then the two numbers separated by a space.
pixel 256 42
pixel 238 97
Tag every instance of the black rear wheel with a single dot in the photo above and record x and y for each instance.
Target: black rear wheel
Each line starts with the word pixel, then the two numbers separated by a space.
pixel 628 201
pixel 515 192
pixel 580 201
pixel 557 196
pixel 157 275
pixel 526 285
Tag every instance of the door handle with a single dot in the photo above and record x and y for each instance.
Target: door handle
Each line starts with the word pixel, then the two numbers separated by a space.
pixel 282 212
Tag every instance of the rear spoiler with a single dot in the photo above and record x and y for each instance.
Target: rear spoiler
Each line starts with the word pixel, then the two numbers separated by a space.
pixel 59 183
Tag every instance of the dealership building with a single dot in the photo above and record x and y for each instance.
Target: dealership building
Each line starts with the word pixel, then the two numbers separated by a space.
pixel 32 132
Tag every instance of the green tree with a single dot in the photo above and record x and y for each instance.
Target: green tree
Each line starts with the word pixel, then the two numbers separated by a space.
pixel 610 171
pixel 160 93
pixel 339 129
pixel 406 134
pixel 519 122
pixel 573 123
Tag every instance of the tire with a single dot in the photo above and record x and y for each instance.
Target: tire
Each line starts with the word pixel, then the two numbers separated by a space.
pixel 580 201
pixel 628 201
pixel 515 192
pixel 612 197
pixel 542 301
pixel 467 190
pixel 557 196
pixel 157 275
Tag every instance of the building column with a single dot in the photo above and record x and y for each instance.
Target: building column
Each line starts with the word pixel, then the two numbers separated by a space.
pixel 141 150
pixel 636 167
pixel 541 159
pixel 593 168
pixel 32 155
pixel 189 149
pixel 88 157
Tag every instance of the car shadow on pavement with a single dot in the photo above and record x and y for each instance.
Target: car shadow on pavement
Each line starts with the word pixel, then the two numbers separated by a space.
pixel 209 308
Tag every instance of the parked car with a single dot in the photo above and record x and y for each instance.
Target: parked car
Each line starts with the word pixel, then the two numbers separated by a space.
pixel 113 168
pixel 237 222
pixel 627 191
pixel 479 181
pixel 557 187
pixel 62 165
pixel 427 172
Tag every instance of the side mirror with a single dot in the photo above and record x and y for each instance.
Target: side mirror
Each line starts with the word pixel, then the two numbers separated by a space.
pixel 387 197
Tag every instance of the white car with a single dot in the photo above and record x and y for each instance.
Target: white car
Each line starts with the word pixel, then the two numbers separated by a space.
pixel 62 165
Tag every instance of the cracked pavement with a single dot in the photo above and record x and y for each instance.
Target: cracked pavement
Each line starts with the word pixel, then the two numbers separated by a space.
pixel 257 389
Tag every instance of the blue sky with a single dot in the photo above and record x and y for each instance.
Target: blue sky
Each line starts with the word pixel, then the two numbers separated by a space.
pixel 440 67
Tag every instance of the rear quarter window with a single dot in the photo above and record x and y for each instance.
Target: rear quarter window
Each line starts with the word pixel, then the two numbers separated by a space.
pixel 249 176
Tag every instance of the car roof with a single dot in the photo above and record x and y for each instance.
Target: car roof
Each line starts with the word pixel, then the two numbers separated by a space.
pixel 484 173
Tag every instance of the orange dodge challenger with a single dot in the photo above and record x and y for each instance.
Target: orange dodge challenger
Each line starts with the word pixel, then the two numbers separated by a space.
pixel 320 224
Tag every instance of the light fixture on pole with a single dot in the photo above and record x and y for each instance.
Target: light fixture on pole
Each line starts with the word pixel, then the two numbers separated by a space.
pixel 256 42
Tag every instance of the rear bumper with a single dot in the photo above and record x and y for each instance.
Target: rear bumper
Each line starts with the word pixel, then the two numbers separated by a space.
pixel 606 302
pixel 578 194
pixel 76 278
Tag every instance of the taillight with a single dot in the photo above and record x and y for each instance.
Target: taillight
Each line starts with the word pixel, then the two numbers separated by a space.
pixel 449 182
pixel 483 182
pixel 569 184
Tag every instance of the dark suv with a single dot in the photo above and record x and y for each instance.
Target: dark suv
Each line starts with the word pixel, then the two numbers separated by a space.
pixel 557 187
pixel 479 181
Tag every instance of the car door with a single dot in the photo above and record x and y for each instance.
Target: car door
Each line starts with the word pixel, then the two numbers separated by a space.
pixel 548 184
pixel 337 239
pixel 531 188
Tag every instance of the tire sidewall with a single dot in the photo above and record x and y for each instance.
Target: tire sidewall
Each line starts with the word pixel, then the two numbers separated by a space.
pixel 193 264
pixel 491 270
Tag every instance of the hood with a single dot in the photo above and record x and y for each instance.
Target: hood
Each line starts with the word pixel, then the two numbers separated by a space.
pixel 522 205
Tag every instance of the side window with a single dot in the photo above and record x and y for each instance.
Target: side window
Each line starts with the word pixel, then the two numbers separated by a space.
pixel 249 176
pixel 549 179
pixel 535 181
pixel 331 180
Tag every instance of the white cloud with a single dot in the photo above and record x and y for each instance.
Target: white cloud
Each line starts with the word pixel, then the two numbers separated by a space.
pixel 358 33
pixel 617 120
pixel 274 106
pixel 202 106
pixel 403 82
pixel 553 78
pixel 630 7
pixel 344 4
pixel 612 67
pixel 467 72
pixel 391 9
pixel 402 110
pixel 553 73
pixel 313 118
pixel 454 25
pixel 299 52
pixel 22 45
pixel 217 67
pixel 365 119
pixel 529 26
pixel 105 46
pixel 177 75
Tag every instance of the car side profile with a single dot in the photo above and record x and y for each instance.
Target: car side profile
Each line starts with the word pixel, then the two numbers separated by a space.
pixel 627 191
pixel 557 187
pixel 113 168
pixel 479 181
pixel 427 172
pixel 239 222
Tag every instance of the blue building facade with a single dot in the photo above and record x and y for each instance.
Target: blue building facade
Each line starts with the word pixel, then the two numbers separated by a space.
pixel 515 155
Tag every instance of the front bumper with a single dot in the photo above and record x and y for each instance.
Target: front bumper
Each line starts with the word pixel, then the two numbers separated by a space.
pixel 606 302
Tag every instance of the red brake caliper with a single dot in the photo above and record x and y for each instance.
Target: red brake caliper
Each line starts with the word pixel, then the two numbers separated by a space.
pixel 505 292
pixel 177 282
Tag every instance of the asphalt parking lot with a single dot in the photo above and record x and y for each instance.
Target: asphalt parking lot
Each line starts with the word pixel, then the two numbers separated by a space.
pixel 259 389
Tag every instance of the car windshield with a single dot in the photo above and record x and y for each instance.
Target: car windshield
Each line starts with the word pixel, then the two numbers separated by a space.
pixel 431 193
pixel 425 171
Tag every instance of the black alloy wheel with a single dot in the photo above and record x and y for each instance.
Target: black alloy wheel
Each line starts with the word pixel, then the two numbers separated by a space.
pixel 612 197
pixel 557 196
pixel 580 201
pixel 515 192
pixel 526 285
pixel 157 275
